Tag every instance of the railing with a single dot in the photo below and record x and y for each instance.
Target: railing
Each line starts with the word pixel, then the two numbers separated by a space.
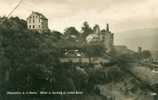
pixel 86 60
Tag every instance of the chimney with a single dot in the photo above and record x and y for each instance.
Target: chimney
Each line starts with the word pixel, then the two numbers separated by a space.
pixel 107 27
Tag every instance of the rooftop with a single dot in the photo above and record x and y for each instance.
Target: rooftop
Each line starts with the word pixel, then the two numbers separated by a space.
pixel 40 14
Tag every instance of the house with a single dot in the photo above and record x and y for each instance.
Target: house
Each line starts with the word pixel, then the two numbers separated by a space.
pixel 38 22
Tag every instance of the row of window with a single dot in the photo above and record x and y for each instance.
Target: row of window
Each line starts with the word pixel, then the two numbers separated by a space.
pixel 34 16
pixel 33 26
pixel 33 20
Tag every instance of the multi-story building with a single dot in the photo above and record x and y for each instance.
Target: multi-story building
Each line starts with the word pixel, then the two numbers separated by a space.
pixel 38 22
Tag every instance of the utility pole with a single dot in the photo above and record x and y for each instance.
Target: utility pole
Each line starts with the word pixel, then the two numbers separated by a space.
pixel 14 8
pixel 10 13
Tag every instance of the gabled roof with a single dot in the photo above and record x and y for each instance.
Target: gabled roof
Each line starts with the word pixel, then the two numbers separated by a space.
pixel 39 14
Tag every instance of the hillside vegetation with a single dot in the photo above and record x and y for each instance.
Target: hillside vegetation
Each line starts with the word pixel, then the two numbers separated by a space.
pixel 29 62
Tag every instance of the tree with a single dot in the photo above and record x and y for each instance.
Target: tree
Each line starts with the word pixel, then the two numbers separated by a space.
pixel 27 57
pixel 72 34
pixel 146 54
pixel 57 35
pixel 86 30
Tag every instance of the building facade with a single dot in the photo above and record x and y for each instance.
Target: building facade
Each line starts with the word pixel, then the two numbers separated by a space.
pixel 102 36
pixel 38 22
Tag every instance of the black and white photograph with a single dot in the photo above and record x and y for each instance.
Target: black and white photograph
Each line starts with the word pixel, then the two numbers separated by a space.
pixel 78 50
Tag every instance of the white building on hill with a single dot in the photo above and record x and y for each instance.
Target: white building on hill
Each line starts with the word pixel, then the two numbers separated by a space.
pixel 38 22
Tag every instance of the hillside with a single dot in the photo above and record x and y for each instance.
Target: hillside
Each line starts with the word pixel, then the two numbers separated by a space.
pixel 146 38
pixel 29 62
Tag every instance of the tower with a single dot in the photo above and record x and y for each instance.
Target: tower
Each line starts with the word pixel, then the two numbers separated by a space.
pixel 107 27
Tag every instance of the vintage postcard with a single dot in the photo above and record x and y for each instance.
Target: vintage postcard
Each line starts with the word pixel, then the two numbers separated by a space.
pixel 78 50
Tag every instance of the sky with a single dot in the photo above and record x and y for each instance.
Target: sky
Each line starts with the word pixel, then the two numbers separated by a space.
pixel 122 15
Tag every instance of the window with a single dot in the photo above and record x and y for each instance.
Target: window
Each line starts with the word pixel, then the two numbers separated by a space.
pixel 33 26
pixel 30 20
pixel 33 20
pixel 29 26
pixel 39 26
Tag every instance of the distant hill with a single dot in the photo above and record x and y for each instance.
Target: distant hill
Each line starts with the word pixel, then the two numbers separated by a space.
pixel 146 38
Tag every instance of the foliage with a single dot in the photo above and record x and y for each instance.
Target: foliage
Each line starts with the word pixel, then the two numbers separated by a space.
pixel 26 55
pixel 86 30
pixel 94 50
pixel 146 54
pixel 29 60
pixel 56 35
pixel 71 33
